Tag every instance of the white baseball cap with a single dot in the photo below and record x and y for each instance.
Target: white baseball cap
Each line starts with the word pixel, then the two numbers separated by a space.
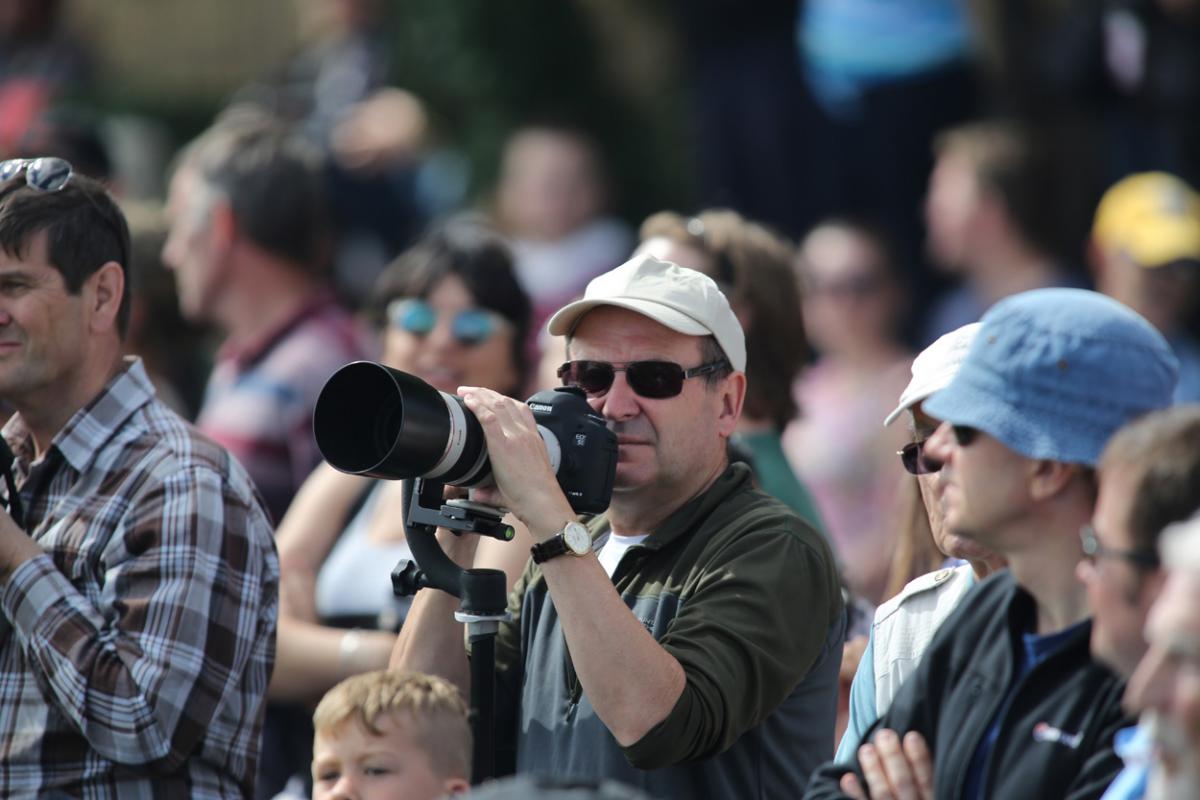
pixel 934 368
pixel 679 298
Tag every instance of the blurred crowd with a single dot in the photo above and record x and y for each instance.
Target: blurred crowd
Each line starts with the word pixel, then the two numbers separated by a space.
pixel 865 185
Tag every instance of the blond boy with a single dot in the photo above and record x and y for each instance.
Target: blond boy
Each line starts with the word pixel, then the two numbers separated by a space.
pixel 395 735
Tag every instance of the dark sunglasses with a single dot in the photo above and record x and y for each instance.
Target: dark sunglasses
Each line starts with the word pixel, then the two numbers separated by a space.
pixel 1093 549
pixel 470 327
pixel 652 379
pixel 915 461
pixel 964 434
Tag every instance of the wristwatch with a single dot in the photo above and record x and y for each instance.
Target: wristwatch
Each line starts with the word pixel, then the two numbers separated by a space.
pixel 573 539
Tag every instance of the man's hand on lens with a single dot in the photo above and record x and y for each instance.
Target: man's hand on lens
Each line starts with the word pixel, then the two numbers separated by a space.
pixel 527 484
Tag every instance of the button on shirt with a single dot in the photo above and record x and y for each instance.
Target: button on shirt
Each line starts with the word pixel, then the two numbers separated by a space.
pixel 135 652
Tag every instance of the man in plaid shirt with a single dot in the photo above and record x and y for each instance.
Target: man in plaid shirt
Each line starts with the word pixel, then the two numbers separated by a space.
pixel 138 578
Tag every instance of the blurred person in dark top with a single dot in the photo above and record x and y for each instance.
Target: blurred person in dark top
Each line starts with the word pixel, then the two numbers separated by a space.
pixel 249 246
pixel 986 212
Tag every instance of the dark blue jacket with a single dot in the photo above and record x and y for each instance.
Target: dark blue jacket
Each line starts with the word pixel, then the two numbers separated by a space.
pixel 1056 739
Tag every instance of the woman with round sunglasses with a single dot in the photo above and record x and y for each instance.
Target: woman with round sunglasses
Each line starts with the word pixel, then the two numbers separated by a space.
pixel 449 311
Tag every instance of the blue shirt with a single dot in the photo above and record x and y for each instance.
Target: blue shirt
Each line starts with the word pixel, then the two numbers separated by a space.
pixel 1134 747
pixel 1036 650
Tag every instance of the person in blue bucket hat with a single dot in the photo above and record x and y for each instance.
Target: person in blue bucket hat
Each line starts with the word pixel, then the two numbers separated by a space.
pixel 1008 701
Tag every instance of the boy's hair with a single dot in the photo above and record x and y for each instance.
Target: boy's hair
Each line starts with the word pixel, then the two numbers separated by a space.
pixel 430 709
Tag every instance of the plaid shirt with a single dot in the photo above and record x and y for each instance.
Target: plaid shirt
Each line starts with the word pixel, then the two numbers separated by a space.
pixel 135 652
pixel 260 397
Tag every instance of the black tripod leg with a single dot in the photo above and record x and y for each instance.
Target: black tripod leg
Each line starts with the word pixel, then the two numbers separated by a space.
pixel 483 699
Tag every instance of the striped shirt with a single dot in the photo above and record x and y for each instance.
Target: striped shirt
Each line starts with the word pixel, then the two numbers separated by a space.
pixel 260 397
pixel 135 652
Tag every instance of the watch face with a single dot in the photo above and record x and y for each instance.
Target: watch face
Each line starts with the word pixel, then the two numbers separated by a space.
pixel 577 539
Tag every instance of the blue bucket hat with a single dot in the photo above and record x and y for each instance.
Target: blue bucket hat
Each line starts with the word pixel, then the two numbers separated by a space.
pixel 1053 373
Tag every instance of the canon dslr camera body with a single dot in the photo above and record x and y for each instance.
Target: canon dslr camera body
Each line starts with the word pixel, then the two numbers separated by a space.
pixel 373 420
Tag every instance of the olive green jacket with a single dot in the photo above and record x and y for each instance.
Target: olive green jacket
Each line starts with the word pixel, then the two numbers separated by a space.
pixel 746 596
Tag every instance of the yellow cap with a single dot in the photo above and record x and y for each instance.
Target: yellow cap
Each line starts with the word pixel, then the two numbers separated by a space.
pixel 1152 216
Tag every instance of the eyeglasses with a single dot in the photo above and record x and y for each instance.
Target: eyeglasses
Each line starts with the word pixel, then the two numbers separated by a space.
pixel 470 327
pixel 652 379
pixel 1093 549
pixel 915 461
pixel 964 434
pixel 46 174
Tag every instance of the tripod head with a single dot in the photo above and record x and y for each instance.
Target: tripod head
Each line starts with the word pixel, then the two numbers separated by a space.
pixel 482 591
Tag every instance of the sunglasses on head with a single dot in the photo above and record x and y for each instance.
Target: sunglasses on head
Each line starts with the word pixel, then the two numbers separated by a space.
pixel 470 327
pixel 46 174
pixel 652 379
pixel 915 461
pixel 52 174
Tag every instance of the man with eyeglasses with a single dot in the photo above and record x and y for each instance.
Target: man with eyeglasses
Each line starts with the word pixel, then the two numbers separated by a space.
pixel 1165 687
pixel 687 641
pixel 1149 478
pixel 904 625
pixel 1007 701
pixel 138 577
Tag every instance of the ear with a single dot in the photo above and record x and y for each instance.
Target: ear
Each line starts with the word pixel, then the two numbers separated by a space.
pixel 731 394
pixel 1049 478
pixel 453 786
pixel 223 225
pixel 102 293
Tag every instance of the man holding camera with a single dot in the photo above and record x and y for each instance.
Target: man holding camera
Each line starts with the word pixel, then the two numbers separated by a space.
pixel 688 640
